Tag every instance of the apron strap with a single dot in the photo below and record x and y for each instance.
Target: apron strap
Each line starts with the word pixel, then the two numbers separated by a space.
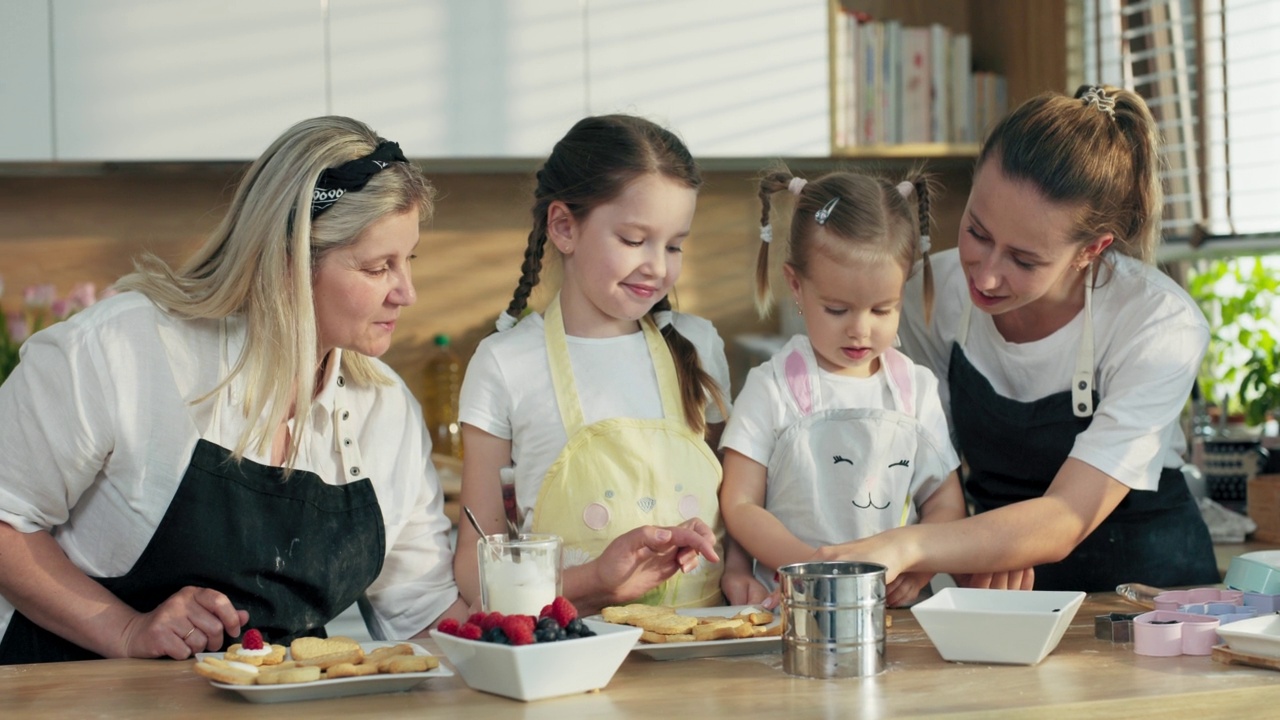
pixel 566 388
pixel 1082 383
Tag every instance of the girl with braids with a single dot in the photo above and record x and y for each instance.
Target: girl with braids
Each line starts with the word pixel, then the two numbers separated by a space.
pixel 1066 358
pixel 839 436
pixel 219 448
pixel 607 402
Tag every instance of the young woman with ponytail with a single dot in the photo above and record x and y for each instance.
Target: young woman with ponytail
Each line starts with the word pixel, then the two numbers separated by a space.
pixel 608 404
pixel 1066 358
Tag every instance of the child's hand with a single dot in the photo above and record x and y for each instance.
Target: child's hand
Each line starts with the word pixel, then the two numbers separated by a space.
pixel 905 588
pixel 741 588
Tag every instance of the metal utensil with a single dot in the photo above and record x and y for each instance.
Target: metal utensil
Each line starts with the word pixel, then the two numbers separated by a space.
pixel 471 518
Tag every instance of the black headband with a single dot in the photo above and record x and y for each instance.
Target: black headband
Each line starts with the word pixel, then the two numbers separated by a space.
pixel 353 175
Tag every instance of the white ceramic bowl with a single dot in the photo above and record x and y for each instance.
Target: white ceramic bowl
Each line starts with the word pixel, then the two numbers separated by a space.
pixel 1018 627
pixel 1256 636
pixel 541 670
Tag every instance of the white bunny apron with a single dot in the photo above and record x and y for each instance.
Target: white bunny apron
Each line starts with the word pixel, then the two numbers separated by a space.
pixel 840 474
pixel 618 474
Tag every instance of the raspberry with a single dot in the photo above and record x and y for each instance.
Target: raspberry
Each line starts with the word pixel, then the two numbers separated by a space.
pixel 560 610
pixel 476 618
pixel 518 629
pixel 491 621
pixel 448 626
pixel 470 631
pixel 252 640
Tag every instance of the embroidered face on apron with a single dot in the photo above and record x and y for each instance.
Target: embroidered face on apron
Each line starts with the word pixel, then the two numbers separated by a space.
pixel 621 473
pixel 1014 451
pixel 293 552
pixel 838 474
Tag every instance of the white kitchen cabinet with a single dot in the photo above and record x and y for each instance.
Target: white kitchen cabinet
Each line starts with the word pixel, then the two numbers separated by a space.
pixel 26 114
pixel 460 78
pixel 189 80
pixel 744 78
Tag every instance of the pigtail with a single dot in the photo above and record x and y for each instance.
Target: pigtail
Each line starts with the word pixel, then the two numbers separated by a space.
pixel 530 269
pixel 921 185
pixel 769 184
pixel 696 384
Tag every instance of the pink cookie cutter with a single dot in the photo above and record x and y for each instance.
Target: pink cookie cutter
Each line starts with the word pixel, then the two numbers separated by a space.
pixel 1175 599
pixel 1165 633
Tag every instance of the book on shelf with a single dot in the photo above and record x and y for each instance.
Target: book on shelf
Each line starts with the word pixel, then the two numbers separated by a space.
pixel 896 84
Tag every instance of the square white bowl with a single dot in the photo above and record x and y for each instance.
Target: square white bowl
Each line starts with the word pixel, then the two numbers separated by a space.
pixel 1255 636
pixel 1016 627
pixel 541 670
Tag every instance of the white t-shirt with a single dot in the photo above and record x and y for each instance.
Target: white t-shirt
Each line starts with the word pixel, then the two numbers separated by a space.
pixel 1149 339
pixel 508 393
pixel 96 431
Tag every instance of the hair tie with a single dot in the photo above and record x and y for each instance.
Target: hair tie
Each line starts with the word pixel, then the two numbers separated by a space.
pixel 353 175
pixel 1096 97
pixel 925 245
pixel 905 188
pixel 662 318
pixel 796 185
pixel 766 233
pixel 505 321
pixel 821 216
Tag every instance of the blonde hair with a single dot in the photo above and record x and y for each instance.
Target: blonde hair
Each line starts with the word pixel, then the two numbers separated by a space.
pixel 1104 162
pixel 870 218
pixel 258 264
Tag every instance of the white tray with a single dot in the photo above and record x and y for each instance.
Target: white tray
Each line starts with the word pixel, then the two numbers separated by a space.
pixel 711 648
pixel 340 687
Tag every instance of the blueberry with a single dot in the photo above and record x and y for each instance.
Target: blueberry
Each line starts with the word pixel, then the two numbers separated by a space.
pixel 548 622
pixel 495 635
pixel 575 626
pixel 587 632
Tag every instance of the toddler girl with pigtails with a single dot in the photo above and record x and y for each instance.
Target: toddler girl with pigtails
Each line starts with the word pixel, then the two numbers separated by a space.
pixel 839 436
pixel 607 404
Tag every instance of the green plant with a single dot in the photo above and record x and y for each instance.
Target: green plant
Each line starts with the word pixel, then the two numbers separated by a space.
pixel 1240 297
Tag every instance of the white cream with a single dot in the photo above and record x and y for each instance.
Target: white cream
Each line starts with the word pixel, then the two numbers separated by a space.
pixel 264 650
pixel 520 588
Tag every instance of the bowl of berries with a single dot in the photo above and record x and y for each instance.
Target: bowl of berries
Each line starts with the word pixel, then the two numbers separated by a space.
pixel 528 658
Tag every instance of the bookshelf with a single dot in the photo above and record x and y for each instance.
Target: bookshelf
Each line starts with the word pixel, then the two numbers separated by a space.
pixel 1024 41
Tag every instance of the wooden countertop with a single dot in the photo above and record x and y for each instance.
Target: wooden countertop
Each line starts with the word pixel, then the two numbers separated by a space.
pixel 1083 677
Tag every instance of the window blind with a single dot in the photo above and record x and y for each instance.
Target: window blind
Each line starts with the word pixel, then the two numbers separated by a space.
pixel 1210 72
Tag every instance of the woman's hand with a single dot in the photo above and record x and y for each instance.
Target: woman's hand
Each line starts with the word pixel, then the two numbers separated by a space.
pixel 192 620
pixel 1011 580
pixel 879 549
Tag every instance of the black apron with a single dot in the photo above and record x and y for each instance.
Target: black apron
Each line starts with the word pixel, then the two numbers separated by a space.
pixel 1015 449
pixel 294 553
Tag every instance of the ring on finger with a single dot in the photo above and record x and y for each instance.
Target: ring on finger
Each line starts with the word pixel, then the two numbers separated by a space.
pixel 193 629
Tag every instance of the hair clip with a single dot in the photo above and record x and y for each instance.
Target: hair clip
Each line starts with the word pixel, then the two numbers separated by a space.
pixel 796 185
pixel 905 188
pixel 821 216
pixel 1096 97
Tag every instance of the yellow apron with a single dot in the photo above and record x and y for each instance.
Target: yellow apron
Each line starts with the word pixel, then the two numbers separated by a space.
pixel 621 473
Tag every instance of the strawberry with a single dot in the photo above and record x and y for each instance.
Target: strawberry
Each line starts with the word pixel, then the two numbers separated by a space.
pixel 448 626
pixel 518 629
pixel 490 621
pixel 252 640
pixel 560 610
pixel 470 631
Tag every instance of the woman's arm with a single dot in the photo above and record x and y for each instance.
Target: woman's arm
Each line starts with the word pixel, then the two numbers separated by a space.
pixel 43 584
pixel 742 499
pixel 1020 535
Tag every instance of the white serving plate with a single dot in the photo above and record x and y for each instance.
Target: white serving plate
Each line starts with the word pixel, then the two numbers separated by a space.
pixel 340 687
pixel 1255 636
pixel 541 670
pixel 712 648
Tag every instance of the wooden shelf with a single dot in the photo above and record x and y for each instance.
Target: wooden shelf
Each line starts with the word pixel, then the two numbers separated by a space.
pixel 909 150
